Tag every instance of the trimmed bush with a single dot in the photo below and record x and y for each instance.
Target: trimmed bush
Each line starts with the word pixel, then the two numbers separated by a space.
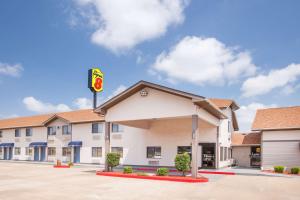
pixel 295 170
pixel 113 160
pixel 182 163
pixel 279 169
pixel 162 171
pixel 127 170
pixel 70 164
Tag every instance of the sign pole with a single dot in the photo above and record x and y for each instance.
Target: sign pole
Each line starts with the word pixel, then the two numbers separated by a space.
pixel 95 100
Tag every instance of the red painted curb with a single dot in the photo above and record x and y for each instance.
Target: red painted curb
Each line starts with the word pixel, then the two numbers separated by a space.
pixel 160 178
pixel 62 166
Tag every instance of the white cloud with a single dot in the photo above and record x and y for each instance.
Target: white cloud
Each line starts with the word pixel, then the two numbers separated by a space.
pixel 83 103
pixel 203 61
pixel 279 78
pixel 117 91
pixel 11 70
pixel 38 106
pixel 245 115
pixel 121 25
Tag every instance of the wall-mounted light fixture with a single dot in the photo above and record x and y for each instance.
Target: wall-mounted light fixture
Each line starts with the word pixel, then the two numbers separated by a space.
pixel 143 93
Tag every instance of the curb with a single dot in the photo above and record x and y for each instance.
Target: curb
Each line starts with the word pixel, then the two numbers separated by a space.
pixel 160 178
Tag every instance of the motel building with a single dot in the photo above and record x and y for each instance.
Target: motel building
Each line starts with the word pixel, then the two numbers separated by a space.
pixel 148 124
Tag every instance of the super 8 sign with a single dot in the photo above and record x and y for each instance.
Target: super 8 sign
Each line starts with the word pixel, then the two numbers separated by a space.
pixel 95 80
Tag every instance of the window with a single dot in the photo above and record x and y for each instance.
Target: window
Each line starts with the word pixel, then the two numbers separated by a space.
pixel 17 150
pixel 226 153
pixel 97 127
pixel 66 151
pixel 153 152
pixel 0 151
pixel 28 132
pixel 221 154
pixel 116 128
pixel 96 151
pixel 17 133
pixel 184 149
pixel 51 151
pixel 0 134
pixel 117 150
pixel 66 129
pixel 51 130
pixel 230 153
pixel 229 126
pixel 28 151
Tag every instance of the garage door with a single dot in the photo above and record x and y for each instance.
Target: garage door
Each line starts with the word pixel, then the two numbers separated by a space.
pixel 286 153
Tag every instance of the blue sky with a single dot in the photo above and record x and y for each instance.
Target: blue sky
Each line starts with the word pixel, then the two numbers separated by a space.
pixel 245 50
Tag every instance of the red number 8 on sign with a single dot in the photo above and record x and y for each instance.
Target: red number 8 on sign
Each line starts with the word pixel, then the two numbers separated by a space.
pixel 98 83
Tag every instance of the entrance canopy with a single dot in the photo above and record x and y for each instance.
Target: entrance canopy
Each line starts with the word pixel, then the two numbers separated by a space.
pixel 38 144
pixel 75 143
pixel 7 145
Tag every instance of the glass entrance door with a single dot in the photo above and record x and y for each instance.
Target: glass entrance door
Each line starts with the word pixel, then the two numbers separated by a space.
pixel 255 157
pixel 208 155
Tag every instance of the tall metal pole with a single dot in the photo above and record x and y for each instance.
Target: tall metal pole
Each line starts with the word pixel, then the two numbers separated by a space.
pixel 95 100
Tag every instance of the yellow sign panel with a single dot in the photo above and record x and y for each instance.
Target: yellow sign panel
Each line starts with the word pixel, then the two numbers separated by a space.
pixel 95 80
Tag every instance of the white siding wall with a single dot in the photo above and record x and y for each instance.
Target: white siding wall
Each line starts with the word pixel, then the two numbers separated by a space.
pixel 225 136
pixel 281 148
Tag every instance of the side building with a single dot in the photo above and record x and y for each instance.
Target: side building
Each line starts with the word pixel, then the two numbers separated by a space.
pixel 280 140
pixel 76 136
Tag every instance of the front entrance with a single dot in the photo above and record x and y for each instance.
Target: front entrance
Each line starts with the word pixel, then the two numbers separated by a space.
pixel 208 155
pixel 255 157
pixel 7 153
pixel 36 154
pixel 76 154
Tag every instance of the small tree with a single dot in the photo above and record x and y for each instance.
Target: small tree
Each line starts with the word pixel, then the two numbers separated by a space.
pixel 113 160
pixel 183 162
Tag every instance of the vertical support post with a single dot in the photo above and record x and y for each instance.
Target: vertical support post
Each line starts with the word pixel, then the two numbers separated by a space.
pixel 107 143
pixel 195 136
pixel 95 100
pixel 217 156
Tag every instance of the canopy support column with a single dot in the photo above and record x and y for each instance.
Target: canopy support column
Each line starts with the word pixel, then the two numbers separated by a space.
pixel 107 143
pixel 195 136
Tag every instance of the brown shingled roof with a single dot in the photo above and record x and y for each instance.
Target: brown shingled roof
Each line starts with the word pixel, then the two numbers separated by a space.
pixel 277 118
pixel 224 103
pixel 77 116
pixel 239 139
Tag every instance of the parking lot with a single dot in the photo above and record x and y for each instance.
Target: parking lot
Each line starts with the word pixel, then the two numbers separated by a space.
pixel 36 181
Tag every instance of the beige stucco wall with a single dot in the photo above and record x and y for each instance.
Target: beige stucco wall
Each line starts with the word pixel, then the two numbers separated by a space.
pixel 241 155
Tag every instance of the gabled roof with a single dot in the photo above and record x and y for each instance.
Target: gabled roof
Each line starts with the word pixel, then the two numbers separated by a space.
pixel 277 118
pixel 225 103
pixel 78 116
pixel 199 100
pixel 246 139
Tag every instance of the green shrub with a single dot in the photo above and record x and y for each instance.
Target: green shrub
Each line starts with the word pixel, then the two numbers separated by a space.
pixel 182 163
pixel 295 170
pixel 113 160
pixel 127 170
pixel 142 174
pixel 162 171
pixel 279 169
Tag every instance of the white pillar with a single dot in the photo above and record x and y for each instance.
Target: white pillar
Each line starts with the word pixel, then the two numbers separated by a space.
pixel 107 143
pixel 195 136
